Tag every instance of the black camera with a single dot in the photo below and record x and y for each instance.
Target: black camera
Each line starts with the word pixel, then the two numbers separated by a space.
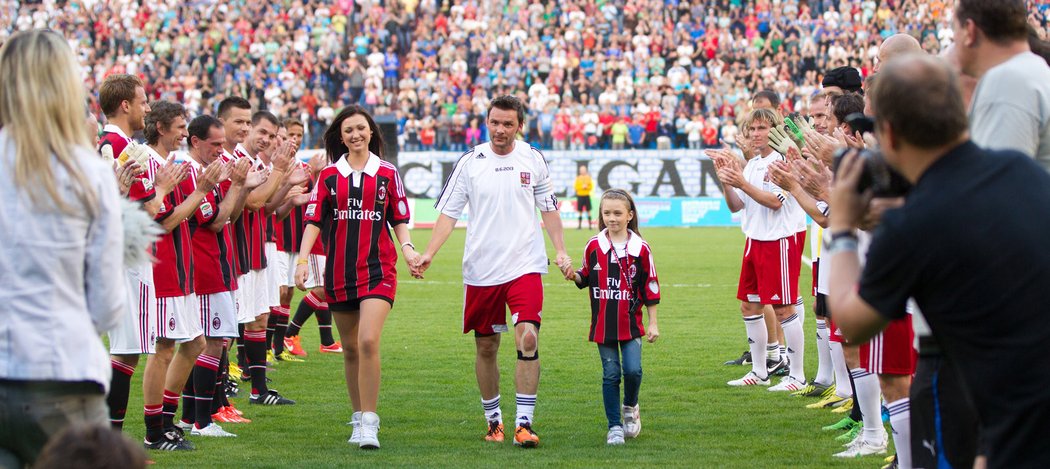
pixel 858 122
pixel 877 175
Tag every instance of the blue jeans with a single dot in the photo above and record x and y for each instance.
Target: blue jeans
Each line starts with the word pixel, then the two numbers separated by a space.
pixel 630 367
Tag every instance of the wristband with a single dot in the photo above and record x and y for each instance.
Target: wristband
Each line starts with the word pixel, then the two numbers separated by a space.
pixel 844 234
pixel 408 244
pixel 302 262
pixel 842 244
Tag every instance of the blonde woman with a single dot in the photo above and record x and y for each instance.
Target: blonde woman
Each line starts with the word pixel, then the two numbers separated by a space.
pixel 61 258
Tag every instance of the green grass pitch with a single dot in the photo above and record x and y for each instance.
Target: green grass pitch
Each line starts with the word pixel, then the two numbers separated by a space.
pixel 429 403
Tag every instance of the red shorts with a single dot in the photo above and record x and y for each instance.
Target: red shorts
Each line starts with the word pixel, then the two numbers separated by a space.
pixel 769 272
pixel 892 351
pixel 836 334
pixel 816 275
pixel 485 308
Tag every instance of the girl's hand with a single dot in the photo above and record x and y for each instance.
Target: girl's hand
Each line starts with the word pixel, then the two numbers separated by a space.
pixel 300 276
pixel 412 260
pixel 652 333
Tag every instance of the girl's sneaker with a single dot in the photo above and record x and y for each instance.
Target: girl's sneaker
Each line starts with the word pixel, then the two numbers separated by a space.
pixel 632 421
pixel 615 436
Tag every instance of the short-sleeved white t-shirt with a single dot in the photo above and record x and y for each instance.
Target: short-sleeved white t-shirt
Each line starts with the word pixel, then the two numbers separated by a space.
pixel 504 240
pixel 760 222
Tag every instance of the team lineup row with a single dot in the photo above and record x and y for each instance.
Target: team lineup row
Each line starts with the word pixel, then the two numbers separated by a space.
pixel 244 222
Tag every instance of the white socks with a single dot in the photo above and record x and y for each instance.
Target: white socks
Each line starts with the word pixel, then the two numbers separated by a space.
pixel 867 398
pixel 900 422
pixel 838 362
pixel 824 367
pixel 796 341
pixel 492 411
pixel 526 406
pixel 756 341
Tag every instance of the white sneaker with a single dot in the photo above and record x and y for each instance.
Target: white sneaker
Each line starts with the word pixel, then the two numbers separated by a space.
pixel 184 426
pixel 369 430
pixel 632 421
pixel 862 447
pixel 788 383
pixel 615 436
pixel 750 379
pixel 213 429
pixel 355 421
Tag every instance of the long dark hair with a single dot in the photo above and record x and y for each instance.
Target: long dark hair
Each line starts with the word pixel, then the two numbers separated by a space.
pixel 333 136
pixel 619 194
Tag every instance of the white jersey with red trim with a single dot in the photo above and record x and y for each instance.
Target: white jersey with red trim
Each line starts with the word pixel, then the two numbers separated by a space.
pixel 763 223
pixel 504 240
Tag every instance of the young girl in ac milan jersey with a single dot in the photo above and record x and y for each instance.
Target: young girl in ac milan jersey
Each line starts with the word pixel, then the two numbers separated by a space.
pixel 356 201
pixel 620 276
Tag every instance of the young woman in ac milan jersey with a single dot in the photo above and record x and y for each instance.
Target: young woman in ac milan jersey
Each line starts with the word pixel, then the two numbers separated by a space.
pixel 356 200
pixel 620 276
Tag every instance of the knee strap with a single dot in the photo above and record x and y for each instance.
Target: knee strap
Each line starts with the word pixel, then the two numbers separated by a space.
pixel 535 356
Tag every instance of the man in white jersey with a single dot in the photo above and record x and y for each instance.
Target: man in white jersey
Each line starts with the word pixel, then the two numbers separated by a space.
pixel 772 257
pixel 504 182
pixel 1011 104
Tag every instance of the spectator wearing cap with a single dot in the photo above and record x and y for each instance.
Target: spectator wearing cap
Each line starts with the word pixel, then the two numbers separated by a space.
pixel 844 79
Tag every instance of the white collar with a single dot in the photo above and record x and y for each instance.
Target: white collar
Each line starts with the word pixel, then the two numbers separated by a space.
pixel 240 148
pixel 156 156
pixel 634 242
pixel 112 128
pixel 371 167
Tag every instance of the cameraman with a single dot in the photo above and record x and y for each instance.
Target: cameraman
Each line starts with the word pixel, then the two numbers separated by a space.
pixel 987 315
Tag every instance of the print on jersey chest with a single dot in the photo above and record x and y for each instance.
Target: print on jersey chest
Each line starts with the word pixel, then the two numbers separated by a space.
pixel 504 173
pixel 616 279
pixel 361 199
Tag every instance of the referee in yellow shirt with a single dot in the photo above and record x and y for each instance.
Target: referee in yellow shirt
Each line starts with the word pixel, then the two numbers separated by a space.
pixel 584 185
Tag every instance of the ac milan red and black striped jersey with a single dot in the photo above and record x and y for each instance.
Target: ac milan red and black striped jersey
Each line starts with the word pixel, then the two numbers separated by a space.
pixel 255 247
pixel 355 210
pixel 253 227
pixel 243 240
pixel 111 144
pixel 271 228
pixel 289 232
pixel 173 271
pixel 618 284
pixel 213 253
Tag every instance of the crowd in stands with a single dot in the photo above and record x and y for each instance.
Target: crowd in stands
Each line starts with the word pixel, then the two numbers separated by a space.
pixel 595 73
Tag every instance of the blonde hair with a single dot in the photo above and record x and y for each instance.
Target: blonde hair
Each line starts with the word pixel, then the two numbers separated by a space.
pixel 42 108
pixel 770 116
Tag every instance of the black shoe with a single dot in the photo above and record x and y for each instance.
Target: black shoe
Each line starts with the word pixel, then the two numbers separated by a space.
pixel 745 359
pixel 178 431
pixel 270 398
pixel 777 368
pixel 170 441
pixel 232 389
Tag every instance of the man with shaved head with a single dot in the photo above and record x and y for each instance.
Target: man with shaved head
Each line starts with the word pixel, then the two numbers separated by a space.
pixel 894 46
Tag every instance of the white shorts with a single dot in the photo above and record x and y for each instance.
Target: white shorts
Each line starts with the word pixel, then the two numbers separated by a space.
pixel 136 333
pixel 275 267
pixel 239 299
pixel 218 314
pixel 284 262
pixel 178 318
pixel 255 296
pixel 288 261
